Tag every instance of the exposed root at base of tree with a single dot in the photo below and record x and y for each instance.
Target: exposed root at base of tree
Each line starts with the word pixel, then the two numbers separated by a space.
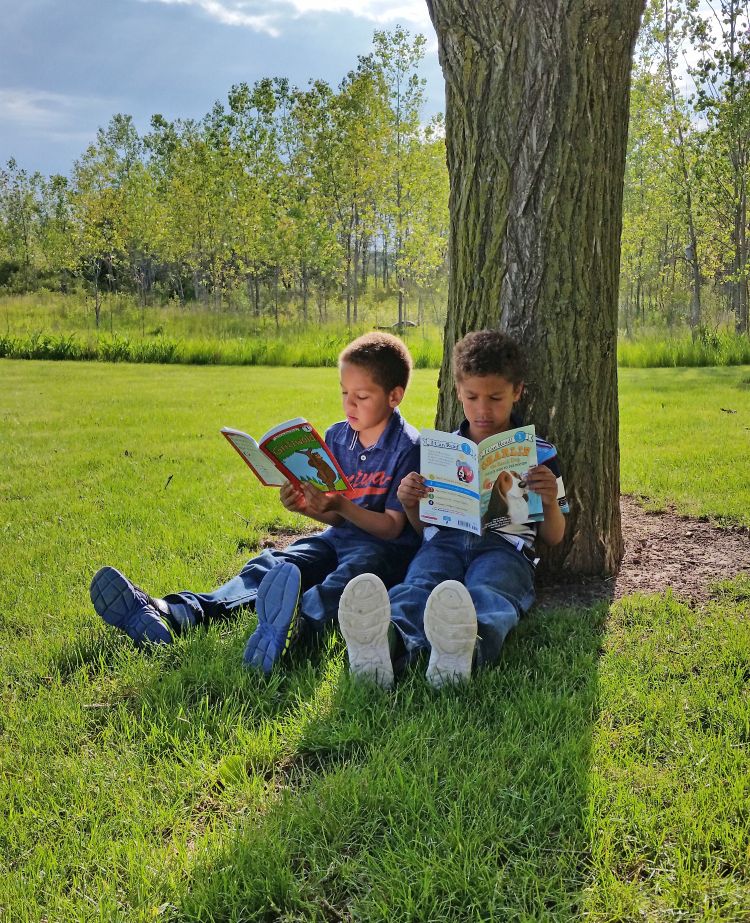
pixel 662 550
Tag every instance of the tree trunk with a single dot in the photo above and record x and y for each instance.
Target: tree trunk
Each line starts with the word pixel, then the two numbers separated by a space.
pixel 355 271
pixel 537 98
pixel 740 284
pixel 303 274
pixel 691 251
pixel 349 280
pixel 97 301
pixel 276 296
pixel 364 250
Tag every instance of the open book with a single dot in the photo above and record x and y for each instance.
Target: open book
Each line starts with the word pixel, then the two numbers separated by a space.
pixel 479 486
pixel 292 451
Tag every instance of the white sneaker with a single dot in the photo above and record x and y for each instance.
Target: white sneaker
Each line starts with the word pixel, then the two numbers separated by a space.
pixel 364 617
pixel 450 623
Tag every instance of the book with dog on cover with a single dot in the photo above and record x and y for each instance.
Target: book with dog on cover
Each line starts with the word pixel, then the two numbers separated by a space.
pixel 292 451
pixel 478 486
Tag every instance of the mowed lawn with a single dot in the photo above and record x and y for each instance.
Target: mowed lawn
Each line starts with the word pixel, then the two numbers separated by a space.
pixel 600 772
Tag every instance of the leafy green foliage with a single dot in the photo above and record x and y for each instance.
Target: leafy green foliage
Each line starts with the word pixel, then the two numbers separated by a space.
pixel 275 190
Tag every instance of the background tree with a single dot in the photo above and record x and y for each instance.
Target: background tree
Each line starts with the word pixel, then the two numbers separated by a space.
pixel 424 192
pixel 98 207
pixel 397 57
pixel 653 233
pixel 536 129
pixel 722 37
pixel 19 201
pixel 55 232
pixel 667 25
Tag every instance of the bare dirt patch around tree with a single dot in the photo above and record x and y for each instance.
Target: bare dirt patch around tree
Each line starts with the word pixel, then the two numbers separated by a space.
pixel 662 549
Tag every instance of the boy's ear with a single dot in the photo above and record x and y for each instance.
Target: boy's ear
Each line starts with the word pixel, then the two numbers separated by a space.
pixel 518 391
pixel 395 397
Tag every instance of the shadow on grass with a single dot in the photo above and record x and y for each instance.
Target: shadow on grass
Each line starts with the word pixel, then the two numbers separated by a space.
pixel 93 652
pixel 465 804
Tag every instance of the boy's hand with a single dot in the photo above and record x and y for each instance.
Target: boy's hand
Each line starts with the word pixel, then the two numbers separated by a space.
pixel 292 498
pixel 318 503
pixel 411 490
pixel 542 481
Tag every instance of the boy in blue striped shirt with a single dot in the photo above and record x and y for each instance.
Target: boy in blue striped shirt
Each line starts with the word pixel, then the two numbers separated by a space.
pixel 367 529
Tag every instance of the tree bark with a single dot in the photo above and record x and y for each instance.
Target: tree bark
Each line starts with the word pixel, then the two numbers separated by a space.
pixel 691 251
pixel 537 98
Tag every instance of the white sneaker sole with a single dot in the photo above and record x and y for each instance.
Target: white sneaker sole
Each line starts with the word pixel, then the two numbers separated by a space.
pixel 450 623
pixel 364 617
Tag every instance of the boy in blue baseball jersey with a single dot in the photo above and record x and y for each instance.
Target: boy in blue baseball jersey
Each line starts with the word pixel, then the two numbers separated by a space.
pixel 462 593
pixel 367 529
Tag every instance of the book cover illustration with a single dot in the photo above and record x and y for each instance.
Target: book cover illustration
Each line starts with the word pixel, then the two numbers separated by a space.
pixel 289 451
pixel 479 486
pixel 301 451
pixel 504 462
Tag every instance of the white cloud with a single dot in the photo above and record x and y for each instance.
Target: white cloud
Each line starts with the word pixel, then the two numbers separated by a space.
pixel 53 115
pixel 380 11
pixel 232 13
pixel 269 16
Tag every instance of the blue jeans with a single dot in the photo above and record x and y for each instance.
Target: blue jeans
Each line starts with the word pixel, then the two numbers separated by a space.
pixel 326 568
pixel 498 577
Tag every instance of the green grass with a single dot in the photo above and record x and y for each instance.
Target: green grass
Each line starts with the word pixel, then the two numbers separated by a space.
pixel 305 348
pixel 685 435
pixel 669 351
pixel 599 773
pixel 52 326
pixel 48 326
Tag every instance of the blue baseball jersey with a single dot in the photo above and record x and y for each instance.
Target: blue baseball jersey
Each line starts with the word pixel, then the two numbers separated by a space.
pixel 375 472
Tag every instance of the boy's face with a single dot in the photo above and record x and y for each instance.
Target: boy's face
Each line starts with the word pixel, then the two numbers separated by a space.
pixel 487 401
pixel 367 405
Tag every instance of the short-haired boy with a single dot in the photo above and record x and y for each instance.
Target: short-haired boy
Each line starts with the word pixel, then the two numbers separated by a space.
pixel 462 593
pixel 367 529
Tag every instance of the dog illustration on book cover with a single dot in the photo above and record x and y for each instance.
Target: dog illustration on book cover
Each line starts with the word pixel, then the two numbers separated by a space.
pixel 509 498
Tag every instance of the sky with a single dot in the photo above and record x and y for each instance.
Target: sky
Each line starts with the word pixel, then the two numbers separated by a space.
pixel 67 66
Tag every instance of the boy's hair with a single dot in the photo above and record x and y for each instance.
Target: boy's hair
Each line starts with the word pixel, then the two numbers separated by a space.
pixel 488 352
pixel 384 356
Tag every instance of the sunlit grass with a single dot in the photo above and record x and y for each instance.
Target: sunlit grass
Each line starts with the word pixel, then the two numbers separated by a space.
pixel 52 326
pixel 600 772
pixel 711 348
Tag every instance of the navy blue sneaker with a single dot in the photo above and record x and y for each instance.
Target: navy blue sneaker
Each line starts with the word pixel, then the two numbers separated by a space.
pixel 124 605
pixel 276 605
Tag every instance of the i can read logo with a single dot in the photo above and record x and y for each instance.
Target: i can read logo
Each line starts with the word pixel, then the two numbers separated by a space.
pixel 520 437
pixel 466 449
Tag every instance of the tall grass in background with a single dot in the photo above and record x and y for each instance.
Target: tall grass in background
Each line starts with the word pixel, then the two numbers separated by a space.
pixel 709 348
pixel 52 313
pixel 310 348
pixel 57 328
pixel 49 326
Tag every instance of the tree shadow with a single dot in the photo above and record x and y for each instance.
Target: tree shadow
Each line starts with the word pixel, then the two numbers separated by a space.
pixel 415 804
